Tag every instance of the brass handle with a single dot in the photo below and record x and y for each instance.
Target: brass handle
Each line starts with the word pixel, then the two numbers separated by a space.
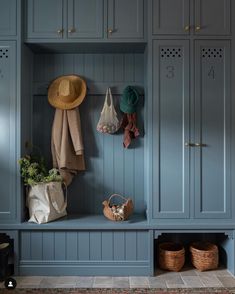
pixel 188 144
pixel 186 28
pixel 198 28
pixel 110 31
pixel 60 31
pixel 198 144
pixel 72 30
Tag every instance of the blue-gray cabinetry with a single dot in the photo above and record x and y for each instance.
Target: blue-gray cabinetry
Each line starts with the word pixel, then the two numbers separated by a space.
pixel 171 129
pixel 8 18
pixel 170 16
pixel 8 143
pixel 85 19
pixel 192 135
pixel 212 17
pixel 45 19
pixel 207 17
pixel 212 129
pixel 125 19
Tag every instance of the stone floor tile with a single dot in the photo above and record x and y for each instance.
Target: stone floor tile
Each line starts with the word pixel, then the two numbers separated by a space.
pixel 212 281
pixel 209 273
pixel 30 280
pixel 85 282
pixel 188 272
pixel 50 282
pixel 121 282
pixel 103 286
pixel 176 286
pixel 227 281
pixel 102 281
pixel 161 273
pixel 177 280
pixel 156 282
pixel 222 272
pixel 192 281
pixel 139 282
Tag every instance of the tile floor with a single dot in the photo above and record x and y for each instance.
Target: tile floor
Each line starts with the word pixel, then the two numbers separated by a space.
pixel 187 278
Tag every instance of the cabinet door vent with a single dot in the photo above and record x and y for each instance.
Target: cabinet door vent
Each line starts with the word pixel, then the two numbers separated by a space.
pixel 212 52
pixel 171 52
pixel 3 53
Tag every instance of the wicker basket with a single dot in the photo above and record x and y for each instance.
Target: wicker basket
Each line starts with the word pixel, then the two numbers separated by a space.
pixel 119 212
pixel 171 256
pixel 204 255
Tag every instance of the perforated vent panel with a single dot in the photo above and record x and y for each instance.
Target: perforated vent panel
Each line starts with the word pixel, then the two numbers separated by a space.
pixel 3 53
pixel 212 52
pixel 171 52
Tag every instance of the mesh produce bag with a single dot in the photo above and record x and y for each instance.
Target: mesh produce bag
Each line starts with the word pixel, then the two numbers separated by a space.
pixel 108 122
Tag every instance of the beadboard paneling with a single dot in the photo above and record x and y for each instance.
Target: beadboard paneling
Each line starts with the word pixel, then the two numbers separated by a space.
pixel 85 246
pixel 109 167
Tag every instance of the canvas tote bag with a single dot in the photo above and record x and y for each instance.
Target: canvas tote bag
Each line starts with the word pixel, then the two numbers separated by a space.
pixel 46 202
pixel 108 122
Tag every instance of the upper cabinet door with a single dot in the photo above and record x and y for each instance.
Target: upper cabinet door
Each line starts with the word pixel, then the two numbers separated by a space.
pixel 8 18
pixel 45 19
pixel 171 17
pixel 212 17
pixel 85 18
pixel 125 19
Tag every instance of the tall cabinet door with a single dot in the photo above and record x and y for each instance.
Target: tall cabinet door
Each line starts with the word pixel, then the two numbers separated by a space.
pixel 212 113
pixel 8 18
pixel 85 18
pixel 171 17
pixel 125 19
pixel 8 161
pixel 171 129
pixel 45 19
pixel 212 17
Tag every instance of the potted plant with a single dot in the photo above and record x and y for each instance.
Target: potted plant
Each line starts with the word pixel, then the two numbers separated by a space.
pixel 45 198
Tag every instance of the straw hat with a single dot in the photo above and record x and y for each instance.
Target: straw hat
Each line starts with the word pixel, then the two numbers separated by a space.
pixel 67 92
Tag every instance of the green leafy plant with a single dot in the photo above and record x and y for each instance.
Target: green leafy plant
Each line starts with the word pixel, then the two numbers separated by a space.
pixel 33 171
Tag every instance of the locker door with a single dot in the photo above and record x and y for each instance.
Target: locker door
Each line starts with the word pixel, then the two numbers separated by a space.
pixel 212 113
pixel 8 161
pixel 171 129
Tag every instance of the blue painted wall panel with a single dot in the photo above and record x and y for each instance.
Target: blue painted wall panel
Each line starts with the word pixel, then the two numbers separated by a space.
pixel 110 168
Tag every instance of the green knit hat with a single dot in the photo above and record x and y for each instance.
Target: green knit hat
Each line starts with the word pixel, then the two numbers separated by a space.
pixel 129 100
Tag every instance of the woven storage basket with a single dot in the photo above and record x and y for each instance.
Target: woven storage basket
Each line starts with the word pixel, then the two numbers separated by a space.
pixel 118 212
pixel 204 255
pixel 171 256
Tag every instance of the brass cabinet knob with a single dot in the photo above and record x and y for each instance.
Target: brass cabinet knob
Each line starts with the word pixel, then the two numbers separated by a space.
pixel 186 28
pixel 72 30
pixel 110 31
pixel 60 31
pixel 198 28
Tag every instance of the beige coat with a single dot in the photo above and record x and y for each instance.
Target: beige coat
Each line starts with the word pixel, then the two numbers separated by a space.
pixel 66 143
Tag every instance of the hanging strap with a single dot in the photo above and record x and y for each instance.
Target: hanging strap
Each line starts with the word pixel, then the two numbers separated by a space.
pixel 54 204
